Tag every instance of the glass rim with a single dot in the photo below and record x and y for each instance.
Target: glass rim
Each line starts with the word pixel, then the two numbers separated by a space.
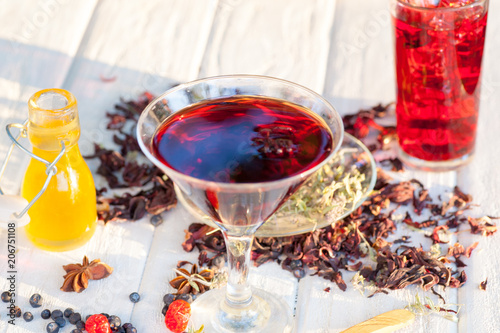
pixel 441 9
pixel 239 187
pixel 70 98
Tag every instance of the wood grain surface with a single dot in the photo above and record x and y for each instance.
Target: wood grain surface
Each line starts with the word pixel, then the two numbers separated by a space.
pixel 339 48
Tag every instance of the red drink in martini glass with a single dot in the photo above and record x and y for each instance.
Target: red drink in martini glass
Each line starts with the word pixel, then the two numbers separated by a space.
pixel 237 147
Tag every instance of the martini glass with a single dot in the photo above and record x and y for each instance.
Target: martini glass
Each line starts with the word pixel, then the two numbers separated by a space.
pixel 238 209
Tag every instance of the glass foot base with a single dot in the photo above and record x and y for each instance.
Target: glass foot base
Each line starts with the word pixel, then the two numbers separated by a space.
pixel 266 314
pixel 436 166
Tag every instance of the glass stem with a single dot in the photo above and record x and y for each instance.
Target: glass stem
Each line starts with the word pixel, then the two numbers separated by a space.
pixel 238 292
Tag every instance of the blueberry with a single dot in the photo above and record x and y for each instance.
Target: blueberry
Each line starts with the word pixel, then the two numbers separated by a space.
pixel 295 263
pixel 299 272
pixel 114 322
pixel 45 314
pixel 74 318
pixel 17 312
pixel 120 329
pixel 52 328
pixel 6 296
pixel 28 316
pixel 134 297
pixel 36 300
pixel 129 328
pixel 165 309
pixel 76 330
pixel 105 315
pixel 68 312
pixel 185 297
pixel 56 314
pixel 80 324
pixel 168 298
pixel 60 321
pixel 156 220
pixel 87 318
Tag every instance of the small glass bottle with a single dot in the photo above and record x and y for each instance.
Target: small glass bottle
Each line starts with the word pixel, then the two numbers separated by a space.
pixel 64 217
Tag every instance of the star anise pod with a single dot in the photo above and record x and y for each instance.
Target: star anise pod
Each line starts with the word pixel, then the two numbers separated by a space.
pixel 194 282
pixel 78 275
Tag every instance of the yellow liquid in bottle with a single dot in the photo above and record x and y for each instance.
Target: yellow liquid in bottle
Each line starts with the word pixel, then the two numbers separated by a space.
pixel 65 216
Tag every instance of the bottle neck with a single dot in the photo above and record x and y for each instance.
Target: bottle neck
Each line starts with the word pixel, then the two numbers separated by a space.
pixel 71 154
pixel 53 118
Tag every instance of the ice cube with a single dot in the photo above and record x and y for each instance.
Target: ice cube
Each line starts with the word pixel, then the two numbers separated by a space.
pixel 455 3
pixel 424 3
pixel 439 3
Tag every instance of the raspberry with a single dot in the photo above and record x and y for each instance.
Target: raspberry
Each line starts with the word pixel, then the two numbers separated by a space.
pixel 177 316
pixel 97 324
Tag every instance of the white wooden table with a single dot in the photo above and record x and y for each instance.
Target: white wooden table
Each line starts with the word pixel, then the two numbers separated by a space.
pixel 339 48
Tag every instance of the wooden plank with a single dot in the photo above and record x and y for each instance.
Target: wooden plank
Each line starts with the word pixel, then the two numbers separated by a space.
pixel 360 69
pixel 285 39
pixel 481 179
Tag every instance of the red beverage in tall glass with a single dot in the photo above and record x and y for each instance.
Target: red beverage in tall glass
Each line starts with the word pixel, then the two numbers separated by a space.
pixel 439 51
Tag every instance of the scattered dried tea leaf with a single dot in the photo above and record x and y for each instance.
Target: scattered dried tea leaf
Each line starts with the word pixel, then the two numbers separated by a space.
pixel 395 163
pixel 483 226
pixel 469 250
pixel 400 193
pixel 426 306
pixel 122 170
pixel 362 123
pixel 456 250
pixel 107 79
pixel 482 285
pixel 439 233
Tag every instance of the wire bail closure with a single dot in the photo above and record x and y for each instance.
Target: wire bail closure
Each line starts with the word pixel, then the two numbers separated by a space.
pixel 51 168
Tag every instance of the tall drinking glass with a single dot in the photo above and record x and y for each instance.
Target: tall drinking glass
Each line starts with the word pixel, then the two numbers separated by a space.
pixel 231 147
pixel 439 49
